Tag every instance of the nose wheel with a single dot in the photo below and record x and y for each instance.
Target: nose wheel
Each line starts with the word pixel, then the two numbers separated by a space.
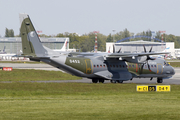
pixel 159 80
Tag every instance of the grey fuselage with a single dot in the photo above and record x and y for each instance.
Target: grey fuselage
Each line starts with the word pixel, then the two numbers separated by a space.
pixel 93 65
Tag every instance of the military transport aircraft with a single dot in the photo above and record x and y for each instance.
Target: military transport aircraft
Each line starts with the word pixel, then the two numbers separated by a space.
pixel 116 67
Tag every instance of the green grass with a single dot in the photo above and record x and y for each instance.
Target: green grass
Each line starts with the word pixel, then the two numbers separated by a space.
pixel 69 101
pixel 34 75
pixel 175 64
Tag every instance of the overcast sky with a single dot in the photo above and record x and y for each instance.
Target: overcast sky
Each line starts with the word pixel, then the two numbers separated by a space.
pixel 84 16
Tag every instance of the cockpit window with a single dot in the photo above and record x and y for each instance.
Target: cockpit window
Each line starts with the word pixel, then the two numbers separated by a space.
pixel 165 63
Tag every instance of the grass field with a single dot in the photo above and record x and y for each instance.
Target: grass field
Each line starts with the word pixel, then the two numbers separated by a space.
pixel 175 64
pixel 34 75
pixel 79 101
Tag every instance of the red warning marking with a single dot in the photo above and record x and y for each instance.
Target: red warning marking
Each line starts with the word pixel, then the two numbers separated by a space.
pixel 7 68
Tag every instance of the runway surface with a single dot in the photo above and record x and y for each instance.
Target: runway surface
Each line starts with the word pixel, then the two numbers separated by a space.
pixel 174 80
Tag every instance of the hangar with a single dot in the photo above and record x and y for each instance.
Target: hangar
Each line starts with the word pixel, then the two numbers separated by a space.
pixel 13 45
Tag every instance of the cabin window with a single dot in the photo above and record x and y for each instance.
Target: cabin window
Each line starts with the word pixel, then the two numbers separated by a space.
pixel 126 66
pixel 145 66
pixel 104 66
pixel 155 66
pixel 113 65
pixel 152 66
pixel 94 65
pixel 139 66
pixel 97 65
pixel 133 66
pixel 110 65
pixel 119 65
pixel 129 66
pixel 100 65
pixel 123 66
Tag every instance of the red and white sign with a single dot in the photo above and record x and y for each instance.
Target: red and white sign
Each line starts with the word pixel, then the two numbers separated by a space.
pixel 7 68
pixel 162 31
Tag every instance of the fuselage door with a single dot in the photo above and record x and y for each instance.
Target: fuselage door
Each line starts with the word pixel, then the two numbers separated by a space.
pixel 88 66
pixel 159 68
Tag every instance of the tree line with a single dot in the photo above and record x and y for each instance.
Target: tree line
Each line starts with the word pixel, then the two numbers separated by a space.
pixel 9 32
pixel 86 42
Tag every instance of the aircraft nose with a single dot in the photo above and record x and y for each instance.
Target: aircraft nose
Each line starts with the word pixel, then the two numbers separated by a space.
pixel 173 71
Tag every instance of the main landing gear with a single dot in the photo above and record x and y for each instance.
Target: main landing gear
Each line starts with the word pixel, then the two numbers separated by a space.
pixel 159 80
pixel 118 81
pixel 100 80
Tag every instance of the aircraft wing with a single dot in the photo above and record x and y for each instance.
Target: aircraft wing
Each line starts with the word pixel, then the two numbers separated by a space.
pixel 117 55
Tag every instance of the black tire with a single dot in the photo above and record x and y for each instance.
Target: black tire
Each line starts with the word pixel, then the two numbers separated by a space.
pixel 101 80
pixel 159 80
pixel 95 80
pixel 120 81
pixel 113 81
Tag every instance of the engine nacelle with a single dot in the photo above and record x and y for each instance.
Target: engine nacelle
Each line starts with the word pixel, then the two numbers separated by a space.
pixel 135 59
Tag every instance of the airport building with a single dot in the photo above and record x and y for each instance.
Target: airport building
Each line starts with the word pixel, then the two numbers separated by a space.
pixel 137 47
pixel 13 45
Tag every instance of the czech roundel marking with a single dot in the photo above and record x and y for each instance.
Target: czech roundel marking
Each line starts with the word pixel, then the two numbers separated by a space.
pixel 158 88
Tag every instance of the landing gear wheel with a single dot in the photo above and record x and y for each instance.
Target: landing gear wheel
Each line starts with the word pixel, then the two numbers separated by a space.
pixel 113 81
pixel 101 80
pixel 120 81
pixel 94 80
pixel 159 80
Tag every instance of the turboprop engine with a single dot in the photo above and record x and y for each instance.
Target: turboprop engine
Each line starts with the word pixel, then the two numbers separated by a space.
pixel 134 59
pixel 138 59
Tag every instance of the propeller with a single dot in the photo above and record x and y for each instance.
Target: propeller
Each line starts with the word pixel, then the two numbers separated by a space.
pixel 143 66
pixel 148 58
pixel 114 51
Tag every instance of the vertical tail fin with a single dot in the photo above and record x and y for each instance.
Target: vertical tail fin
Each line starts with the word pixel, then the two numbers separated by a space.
pixel 64 48
pixel 31 45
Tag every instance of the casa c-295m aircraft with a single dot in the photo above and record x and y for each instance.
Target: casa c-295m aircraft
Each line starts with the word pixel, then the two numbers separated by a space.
pixel 116 67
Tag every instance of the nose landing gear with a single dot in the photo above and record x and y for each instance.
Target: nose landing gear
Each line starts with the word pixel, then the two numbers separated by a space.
pixel 159 80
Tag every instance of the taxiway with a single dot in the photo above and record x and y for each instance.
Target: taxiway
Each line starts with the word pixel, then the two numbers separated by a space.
pixel 174 80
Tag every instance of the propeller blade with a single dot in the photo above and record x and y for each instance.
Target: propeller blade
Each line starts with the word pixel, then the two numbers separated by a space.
pixel 144 49
pixel 113 48
pixel 119 50
pixel 150 49
pixel 141 69
pixel 148 66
